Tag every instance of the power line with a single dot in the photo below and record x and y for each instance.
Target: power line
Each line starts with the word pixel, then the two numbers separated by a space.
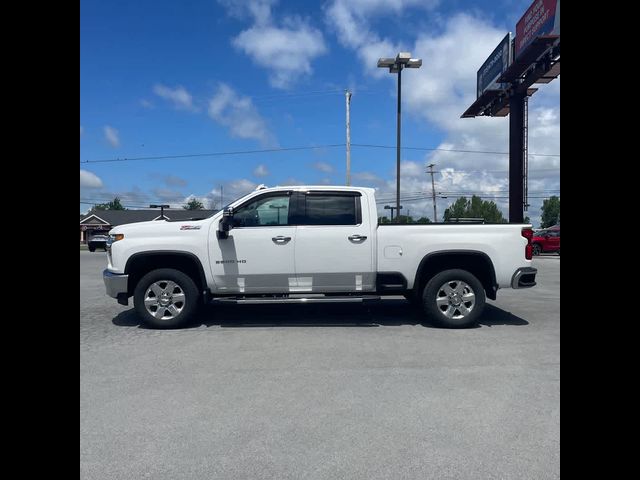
pixel 450 150
pixel 213 154
pixel 312 147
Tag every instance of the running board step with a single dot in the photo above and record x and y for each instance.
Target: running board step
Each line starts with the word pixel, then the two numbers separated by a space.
pixel 319 299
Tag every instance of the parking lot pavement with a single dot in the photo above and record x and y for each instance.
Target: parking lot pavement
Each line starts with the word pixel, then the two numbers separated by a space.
pixel 322 391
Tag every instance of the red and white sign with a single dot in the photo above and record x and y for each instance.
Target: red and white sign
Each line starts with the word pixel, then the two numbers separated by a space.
pixel 541 18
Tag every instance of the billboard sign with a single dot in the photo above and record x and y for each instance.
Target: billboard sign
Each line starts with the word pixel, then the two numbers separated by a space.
pixel 494 66
pixel 541 18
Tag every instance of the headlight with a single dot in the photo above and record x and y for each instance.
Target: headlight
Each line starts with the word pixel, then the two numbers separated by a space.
pixel 114 238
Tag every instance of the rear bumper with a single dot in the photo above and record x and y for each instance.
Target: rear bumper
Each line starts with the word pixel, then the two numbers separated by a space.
pixel 524 277
pixel 116 285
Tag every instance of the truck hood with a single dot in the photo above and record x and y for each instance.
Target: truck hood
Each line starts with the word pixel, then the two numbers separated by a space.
pixel 156 228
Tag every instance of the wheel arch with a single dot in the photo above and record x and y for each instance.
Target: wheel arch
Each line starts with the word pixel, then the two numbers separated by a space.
pixel 139 264
pixel 474 261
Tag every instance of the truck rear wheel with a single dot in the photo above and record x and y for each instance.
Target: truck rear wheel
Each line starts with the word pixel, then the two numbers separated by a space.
pixel 166 298
pixel 453 299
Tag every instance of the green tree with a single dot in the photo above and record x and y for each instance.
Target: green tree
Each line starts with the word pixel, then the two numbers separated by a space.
pixel 383 220
pixel 194 204
pixel 527 219
pixel 404 219
pixel 112 205
pixel 474 208
pixel 550 212
pixel 423 220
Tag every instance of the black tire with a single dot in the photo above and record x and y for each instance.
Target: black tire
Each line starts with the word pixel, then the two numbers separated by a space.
pixel 537 249
pixel 184 285
pixel 92 249
pixel 436 313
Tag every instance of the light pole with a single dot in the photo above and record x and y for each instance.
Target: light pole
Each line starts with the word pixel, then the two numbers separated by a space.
pixel 161 207
pixel 396 65
pixel 389 207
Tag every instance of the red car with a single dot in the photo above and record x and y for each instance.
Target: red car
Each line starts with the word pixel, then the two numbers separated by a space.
pixel 547 240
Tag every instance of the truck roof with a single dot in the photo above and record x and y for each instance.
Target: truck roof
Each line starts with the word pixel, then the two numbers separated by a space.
pixel 318 187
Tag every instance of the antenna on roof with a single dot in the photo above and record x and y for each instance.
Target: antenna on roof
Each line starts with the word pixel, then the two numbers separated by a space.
pixel 262 186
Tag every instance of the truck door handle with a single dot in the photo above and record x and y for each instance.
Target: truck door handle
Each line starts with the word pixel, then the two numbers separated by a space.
pixel 281 239
pixel 357 238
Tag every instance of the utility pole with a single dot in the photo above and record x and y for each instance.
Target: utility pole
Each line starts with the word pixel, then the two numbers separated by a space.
pixel 433 193
pixel 347 96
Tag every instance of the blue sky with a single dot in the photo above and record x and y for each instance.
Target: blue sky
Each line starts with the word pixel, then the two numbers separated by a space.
pixel 173 78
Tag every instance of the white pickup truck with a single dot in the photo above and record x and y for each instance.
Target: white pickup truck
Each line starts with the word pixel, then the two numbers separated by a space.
pixel 313 244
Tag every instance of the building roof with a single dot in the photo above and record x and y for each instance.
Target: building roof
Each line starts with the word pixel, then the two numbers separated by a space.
pixel 122 217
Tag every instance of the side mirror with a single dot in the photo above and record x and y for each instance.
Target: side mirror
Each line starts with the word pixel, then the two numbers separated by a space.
pixel 226 223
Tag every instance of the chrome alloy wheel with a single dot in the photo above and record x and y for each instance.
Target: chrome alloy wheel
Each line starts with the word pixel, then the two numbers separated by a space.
pixel 455 299
pixel 164 299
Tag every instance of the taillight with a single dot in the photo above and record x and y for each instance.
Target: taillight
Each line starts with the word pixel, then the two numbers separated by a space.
pixel 528 250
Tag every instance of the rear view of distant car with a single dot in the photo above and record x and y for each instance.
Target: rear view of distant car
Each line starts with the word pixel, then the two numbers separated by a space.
pixel 98 241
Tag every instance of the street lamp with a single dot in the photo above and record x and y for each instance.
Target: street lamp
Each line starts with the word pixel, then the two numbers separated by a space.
pixel 389 207
pixel 396 65
pixel 161 207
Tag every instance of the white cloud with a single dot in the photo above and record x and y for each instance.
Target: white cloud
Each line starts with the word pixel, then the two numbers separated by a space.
pixel 260 171
pixel 366 179
pixel 259 10
pixel 89 180
pixel 178 96
pixel 144 103
pixel 323 167
pixel 350 19
pixel 292 181
pixel 231 190
pixel 174 181
pixel 286 50
pixel 239 115
pixel 173 197
pixel 112 136
pixel 412 169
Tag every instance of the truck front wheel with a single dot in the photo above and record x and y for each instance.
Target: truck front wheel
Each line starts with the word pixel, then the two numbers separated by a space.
pixel 166 298
pixel 453 298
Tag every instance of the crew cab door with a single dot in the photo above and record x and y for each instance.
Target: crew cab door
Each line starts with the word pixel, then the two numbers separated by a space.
pixel 334 246
pixel 258 256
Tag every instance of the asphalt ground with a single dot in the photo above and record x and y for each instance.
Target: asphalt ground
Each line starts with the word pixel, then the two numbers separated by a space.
pixel 321 391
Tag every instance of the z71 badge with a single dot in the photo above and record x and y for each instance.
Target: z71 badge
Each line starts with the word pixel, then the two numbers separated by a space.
pixel 190 227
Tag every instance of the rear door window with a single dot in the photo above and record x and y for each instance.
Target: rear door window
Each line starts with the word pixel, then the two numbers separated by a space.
pixel 331 209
